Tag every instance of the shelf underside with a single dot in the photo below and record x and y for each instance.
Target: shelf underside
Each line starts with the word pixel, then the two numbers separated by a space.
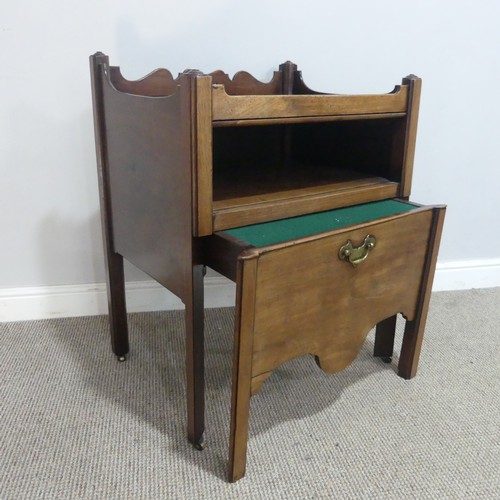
pixel 247 196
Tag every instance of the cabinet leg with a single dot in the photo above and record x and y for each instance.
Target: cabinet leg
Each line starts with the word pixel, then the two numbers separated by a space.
pixel 242 367
pixel 195 374
pixel 384 339
pixel 414 330
pixel 410 350
pixel 238 434
pixel 117 305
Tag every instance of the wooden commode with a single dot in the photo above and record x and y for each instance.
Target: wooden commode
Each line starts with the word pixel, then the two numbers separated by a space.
pixel 299 197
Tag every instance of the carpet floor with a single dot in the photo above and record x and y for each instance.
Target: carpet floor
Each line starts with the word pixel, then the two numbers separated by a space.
pixel 76 424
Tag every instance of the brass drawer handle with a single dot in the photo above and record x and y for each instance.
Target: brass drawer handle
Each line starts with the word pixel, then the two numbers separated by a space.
pixel 356 255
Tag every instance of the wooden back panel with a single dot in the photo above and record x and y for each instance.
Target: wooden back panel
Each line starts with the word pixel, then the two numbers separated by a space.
pixel 159 83
pixel 243 83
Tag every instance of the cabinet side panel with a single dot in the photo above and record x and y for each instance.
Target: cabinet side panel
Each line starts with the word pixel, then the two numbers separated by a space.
pixel 150 183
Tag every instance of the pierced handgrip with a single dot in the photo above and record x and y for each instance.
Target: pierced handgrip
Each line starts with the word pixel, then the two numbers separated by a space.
pixel 356 255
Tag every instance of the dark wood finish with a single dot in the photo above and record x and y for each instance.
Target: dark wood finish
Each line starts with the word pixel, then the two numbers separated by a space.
pixel 299 86
pixel 384 338
pixel 159 83
pixel 195 377
pixel 182 158
pixel 113 261
pixel 149 158
pixel 287 70
pixel 147 151
pixel 243 83
pixel 221 252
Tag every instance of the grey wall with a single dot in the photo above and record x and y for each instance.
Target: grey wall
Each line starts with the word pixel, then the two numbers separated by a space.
pixel 49 200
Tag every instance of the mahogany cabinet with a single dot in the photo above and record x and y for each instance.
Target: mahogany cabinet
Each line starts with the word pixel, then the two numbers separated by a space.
pixel 299 197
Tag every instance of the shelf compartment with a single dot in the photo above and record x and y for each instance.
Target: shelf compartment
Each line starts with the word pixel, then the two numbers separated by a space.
pixel 249 202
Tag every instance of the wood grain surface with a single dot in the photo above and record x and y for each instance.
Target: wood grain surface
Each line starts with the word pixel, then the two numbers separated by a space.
pixel 226 107
pixel 329 305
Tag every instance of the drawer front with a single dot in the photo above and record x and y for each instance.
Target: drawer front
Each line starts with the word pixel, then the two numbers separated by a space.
pixel 299 297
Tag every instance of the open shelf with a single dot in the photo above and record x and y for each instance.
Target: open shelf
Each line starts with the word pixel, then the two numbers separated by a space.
pixel 271 171
pixel 256 150
pixel 261 194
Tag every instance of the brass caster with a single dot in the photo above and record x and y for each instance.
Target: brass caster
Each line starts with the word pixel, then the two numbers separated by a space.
pixel 200 444
pixel 121 359
pixel 386 359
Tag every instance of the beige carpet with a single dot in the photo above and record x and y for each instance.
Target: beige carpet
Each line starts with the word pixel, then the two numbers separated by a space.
pixel 75 423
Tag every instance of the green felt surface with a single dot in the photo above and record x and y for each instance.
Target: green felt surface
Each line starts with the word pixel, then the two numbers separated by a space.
pixel 268 233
